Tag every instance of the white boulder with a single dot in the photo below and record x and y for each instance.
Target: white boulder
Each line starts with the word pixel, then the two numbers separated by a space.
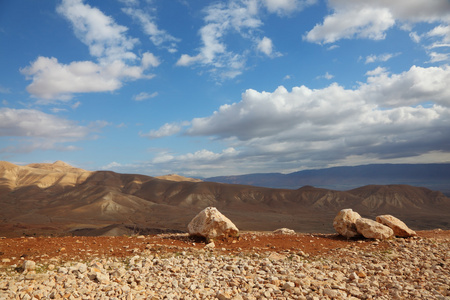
pixel 400 229
pixel 373 230
pixel 284 231
pixel 345 223
pixel 212 225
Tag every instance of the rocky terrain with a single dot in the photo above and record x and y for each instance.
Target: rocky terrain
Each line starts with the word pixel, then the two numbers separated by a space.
pixel 76 207
pixel 255 266
pixel 58 199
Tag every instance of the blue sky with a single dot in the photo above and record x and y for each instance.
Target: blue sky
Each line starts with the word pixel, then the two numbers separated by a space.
pixel 206 88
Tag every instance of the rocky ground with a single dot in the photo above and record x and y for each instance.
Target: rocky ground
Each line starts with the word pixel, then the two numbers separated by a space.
pixel 257 266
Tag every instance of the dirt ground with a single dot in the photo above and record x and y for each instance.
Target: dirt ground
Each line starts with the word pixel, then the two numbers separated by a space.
pixel 57 249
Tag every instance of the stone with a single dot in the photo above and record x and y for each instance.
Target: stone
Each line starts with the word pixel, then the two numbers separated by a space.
pixel 29 265
pixel 102 278
pixel 211 245
pixel 284 231
pixel 373 230
pixel 212 225
pixel 345 223
pixel 400 229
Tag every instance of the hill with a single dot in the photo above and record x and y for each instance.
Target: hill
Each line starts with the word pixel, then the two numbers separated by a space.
pixel 176 177
pixel 59 199
pixel 432 176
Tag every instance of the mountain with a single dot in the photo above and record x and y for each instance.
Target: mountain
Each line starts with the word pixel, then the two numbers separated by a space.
pixel 432 176
pixel 60 199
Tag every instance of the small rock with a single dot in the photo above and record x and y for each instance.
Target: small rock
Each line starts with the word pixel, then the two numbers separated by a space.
pixel 29 265
pixel 210 245
pixel 286 231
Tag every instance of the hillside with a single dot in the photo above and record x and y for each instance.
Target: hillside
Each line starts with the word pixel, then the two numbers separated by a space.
pixel 432 176
pixel 57 198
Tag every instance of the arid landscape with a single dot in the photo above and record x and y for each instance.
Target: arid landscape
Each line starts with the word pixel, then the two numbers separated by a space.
pixel 57 199
pixel 68 233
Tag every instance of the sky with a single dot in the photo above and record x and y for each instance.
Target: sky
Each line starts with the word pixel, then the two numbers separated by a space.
pixel 207 88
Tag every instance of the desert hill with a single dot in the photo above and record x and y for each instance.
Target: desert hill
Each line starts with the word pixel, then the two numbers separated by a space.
pixel 176 177
pixel 58 198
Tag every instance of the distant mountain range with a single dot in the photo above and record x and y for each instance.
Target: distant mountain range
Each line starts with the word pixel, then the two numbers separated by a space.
pixel 60 199
pixel 432 176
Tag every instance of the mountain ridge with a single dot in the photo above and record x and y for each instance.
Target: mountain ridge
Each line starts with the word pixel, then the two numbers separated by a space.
pixel 434 176
pixel 42 196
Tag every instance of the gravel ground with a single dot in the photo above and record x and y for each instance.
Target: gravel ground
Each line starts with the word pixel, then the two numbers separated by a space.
pixel 306 266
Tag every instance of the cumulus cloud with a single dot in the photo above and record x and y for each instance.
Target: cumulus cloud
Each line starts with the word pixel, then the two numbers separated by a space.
pixel 371 19
pixel 265 46
pixel 388 118
pixel 32 129
pixel 368 23
pixel 107 41
pixel 149 60
pixel 53 81
pixel 412 87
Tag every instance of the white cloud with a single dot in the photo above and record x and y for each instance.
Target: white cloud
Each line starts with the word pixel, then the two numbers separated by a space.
pixel 34 123
pixel 438 57
pixel 221 19
pixel 412 87
pixel 111 165
pixel 130 2
pixel 283 7
pixel 382 57
pixel 415 37
pixel 371 19
pixel 144 96
pixel 149 60
pixel 165 130
pixel 53 81
pixel 389 118
pixel 187 60
pixel 265 46
pixel 104 37
pixel 32 130
pixel 366 22
pixel 327 76
pixel 241 17
pixel 376 72
pixel 157 36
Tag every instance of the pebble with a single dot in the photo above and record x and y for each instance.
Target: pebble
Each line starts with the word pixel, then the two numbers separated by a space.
pixel 414 268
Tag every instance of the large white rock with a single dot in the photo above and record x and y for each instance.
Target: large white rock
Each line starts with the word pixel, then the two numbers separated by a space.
pixel 345 223
pixel 400 229
pixel 373 230
pixel 211 224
